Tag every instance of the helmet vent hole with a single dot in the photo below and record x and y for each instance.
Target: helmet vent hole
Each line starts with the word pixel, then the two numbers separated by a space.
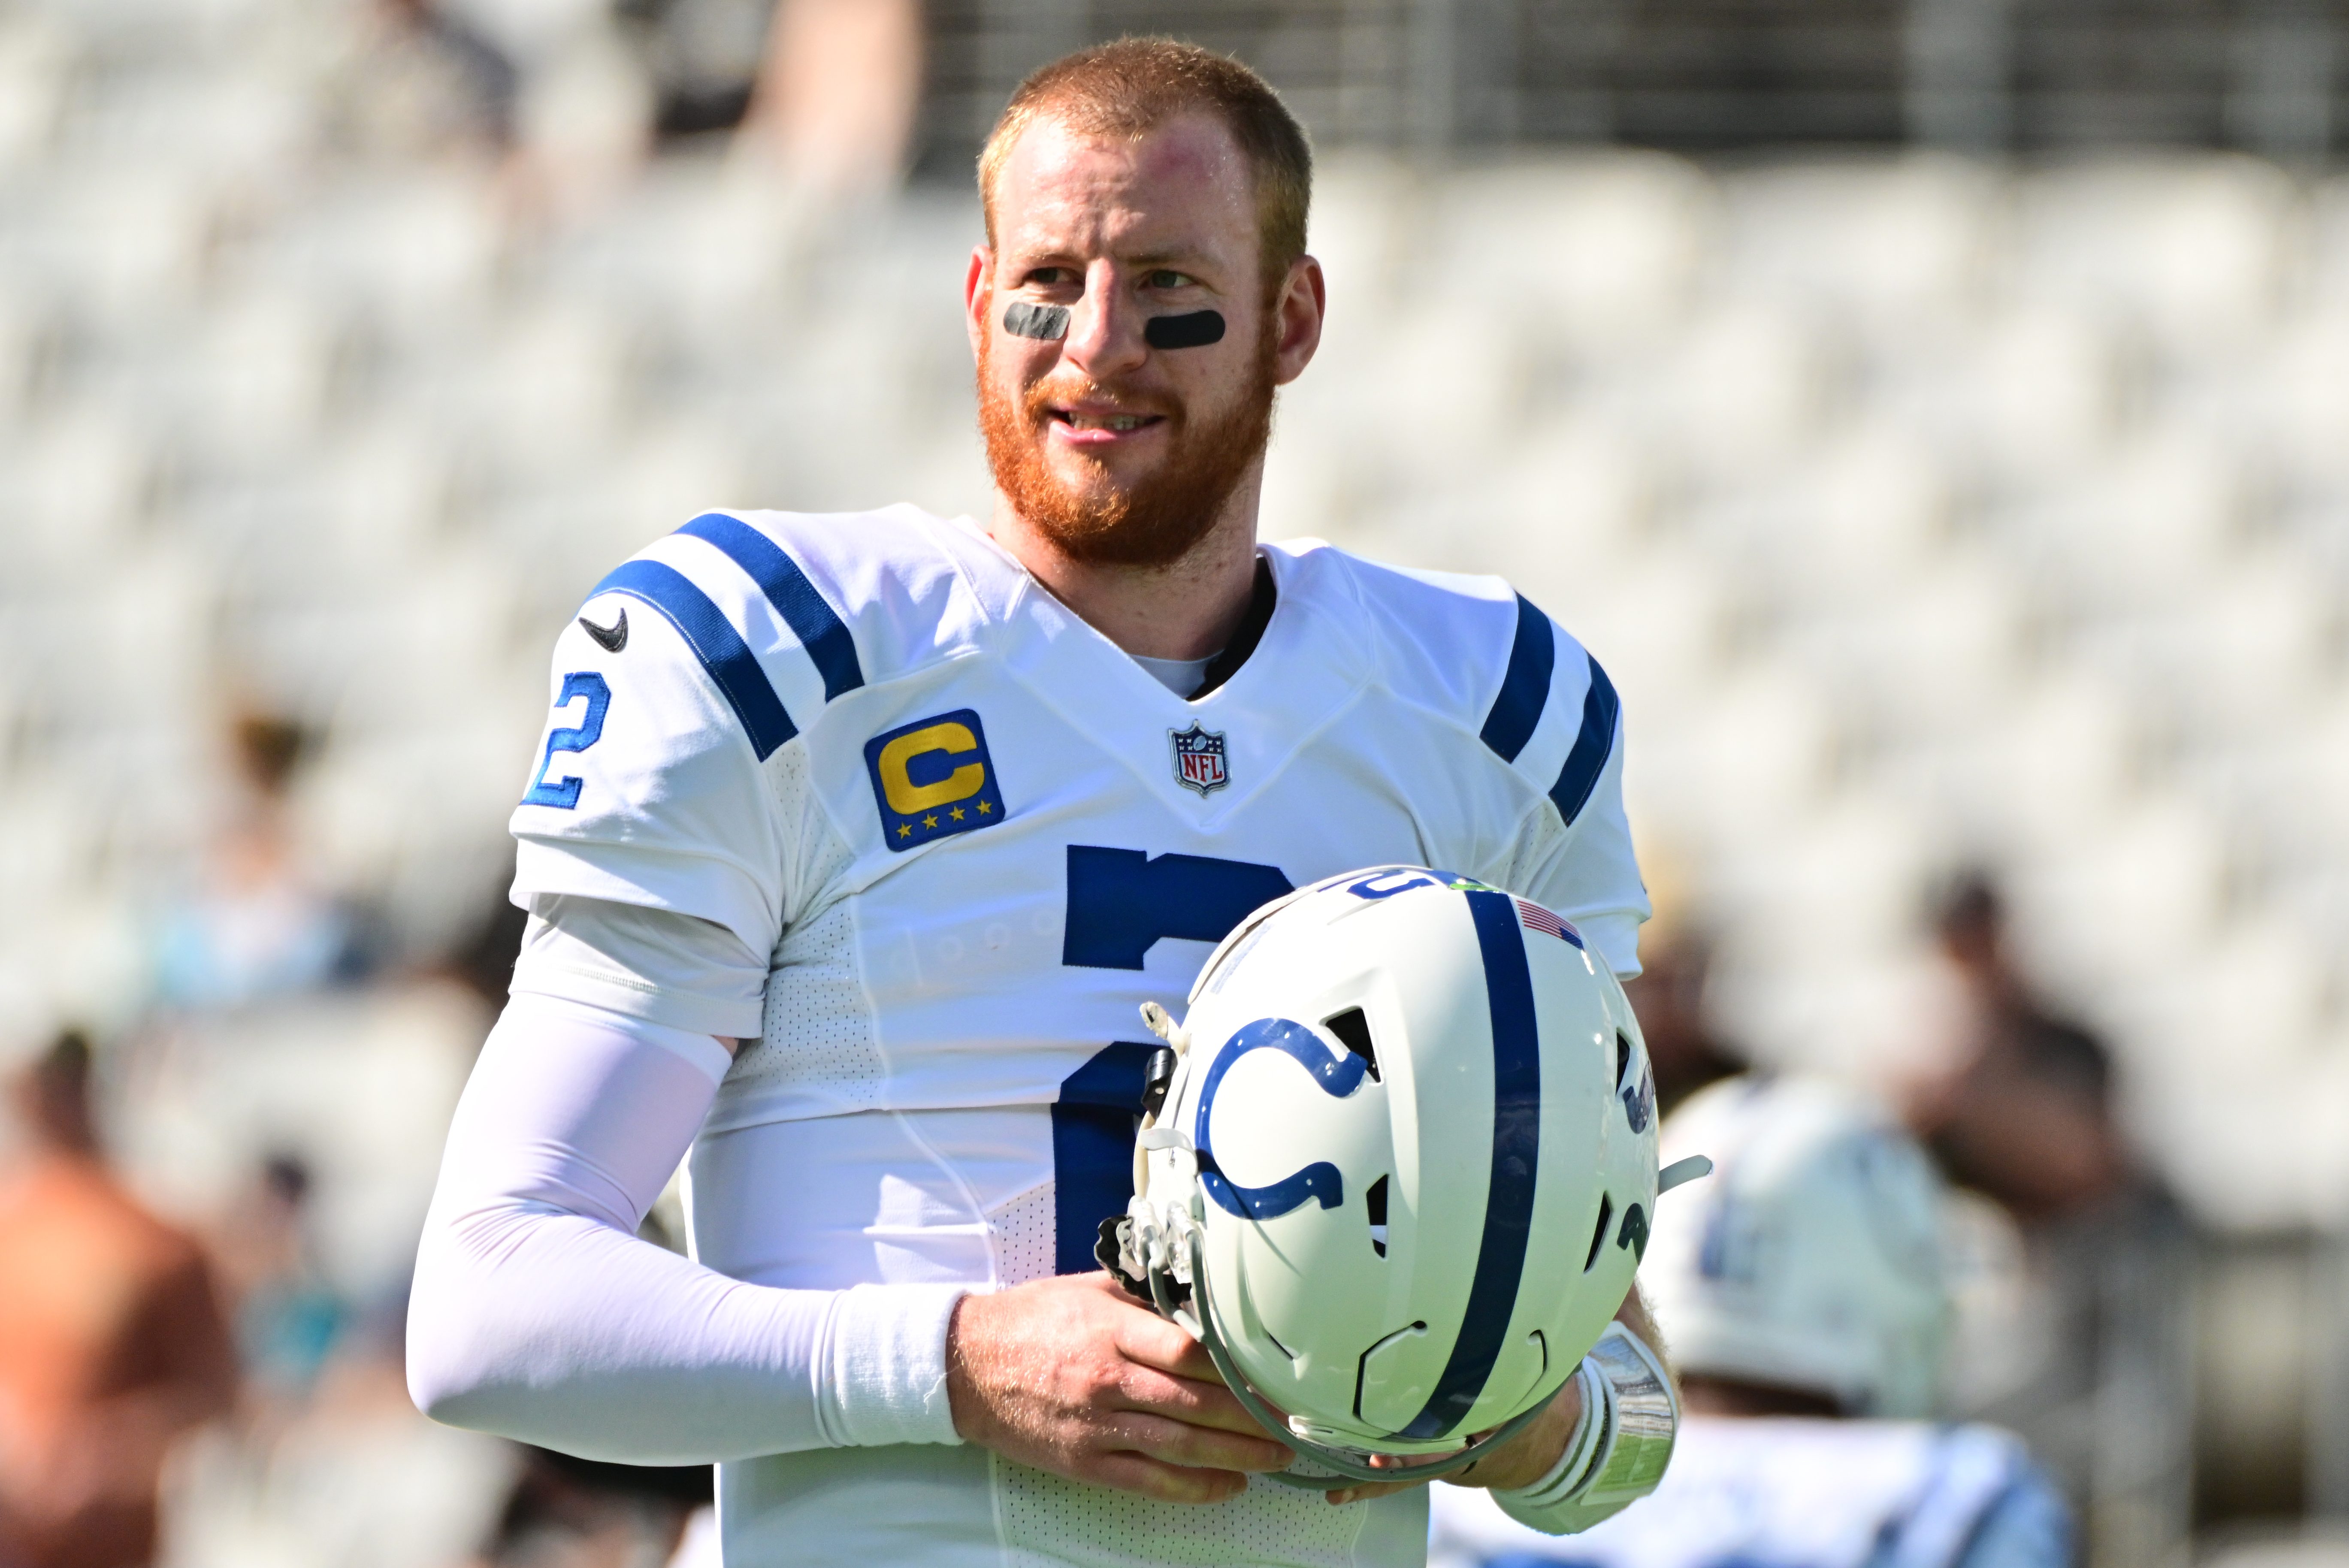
pixel 1598 1233
pixel 1354 1031
pixel 1622 1057
pixel 1375 1199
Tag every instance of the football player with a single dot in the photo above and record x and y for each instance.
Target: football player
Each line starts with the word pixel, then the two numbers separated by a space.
pixel 1804 1297
pixel 854 842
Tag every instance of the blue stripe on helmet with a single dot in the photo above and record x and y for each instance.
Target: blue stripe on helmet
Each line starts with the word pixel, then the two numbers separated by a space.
pixel 715 642
pixel 1579 776
pixel 820 632
pixel 1524 689
pixel 1517 1148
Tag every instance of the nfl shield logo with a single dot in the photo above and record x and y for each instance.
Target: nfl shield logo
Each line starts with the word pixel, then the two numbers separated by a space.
pixel 1198 758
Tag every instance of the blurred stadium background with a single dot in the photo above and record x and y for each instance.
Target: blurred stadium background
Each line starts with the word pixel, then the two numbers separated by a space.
pixel 1935 415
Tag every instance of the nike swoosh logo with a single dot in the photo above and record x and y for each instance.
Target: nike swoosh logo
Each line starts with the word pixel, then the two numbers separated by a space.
pixel 611 638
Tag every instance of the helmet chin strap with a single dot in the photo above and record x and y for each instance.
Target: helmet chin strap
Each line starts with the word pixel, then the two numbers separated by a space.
pixel 1353 1465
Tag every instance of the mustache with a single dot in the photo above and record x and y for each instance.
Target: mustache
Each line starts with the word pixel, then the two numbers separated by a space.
pixel 1056 391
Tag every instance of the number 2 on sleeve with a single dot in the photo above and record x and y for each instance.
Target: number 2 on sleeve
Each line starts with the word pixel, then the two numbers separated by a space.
pixel 563 793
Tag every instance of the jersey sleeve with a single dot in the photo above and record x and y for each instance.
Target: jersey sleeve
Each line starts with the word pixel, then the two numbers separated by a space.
pixel 678 695
pixel 2029 1526
pixel 654 965
pixel 648 789
pixel 1557 722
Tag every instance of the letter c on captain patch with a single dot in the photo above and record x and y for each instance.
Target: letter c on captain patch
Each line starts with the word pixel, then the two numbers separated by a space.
pixel 933 777
pixel 897 786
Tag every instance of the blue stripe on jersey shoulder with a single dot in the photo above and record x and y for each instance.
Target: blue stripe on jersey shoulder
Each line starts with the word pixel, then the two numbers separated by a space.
pixel 1524 689
pixel 1579 776
pixel 820 632
pixel 715 642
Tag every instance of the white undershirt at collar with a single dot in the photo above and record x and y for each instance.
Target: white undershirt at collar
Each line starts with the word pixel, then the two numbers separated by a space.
pixel 1181 677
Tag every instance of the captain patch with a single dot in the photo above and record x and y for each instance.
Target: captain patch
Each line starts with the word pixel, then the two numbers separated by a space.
pixel 932 778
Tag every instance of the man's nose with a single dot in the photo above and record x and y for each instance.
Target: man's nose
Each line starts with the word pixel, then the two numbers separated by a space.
pixel 1105 329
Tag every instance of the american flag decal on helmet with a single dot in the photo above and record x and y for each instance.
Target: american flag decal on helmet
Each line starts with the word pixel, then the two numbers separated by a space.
pixel 1534 917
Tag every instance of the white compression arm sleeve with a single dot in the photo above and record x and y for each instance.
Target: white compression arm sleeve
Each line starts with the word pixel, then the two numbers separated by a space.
pixel 538 1313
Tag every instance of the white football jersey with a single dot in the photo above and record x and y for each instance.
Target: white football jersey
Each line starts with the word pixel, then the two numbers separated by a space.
pixel 974 836
pixel 1797 1493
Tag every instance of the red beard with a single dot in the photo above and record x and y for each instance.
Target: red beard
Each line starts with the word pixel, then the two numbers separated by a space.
pixel 1155 520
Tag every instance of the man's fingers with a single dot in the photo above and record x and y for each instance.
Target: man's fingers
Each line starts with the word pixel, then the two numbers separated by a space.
pixel 1168 1484
pixel 1146 1337
pixel 1188 1400
pixel 1182 1443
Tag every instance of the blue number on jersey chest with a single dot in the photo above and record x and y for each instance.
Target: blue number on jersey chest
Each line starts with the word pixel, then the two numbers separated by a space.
pixel 1120 903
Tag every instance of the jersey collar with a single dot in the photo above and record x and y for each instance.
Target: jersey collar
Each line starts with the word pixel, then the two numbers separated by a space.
pixel 1292 667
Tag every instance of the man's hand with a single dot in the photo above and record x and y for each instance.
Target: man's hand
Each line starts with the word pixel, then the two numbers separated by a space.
pixel 1069 1375
pixel 1527 1456
pixel 1521 1461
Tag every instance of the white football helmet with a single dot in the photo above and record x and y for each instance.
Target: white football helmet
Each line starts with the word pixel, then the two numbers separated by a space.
pixel 1399 1167
pixel 1815 1260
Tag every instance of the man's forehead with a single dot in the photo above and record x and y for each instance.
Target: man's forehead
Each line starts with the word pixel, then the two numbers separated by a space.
pixel 1183 182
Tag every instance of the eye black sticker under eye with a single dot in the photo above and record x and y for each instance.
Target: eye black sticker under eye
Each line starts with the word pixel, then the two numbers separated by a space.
pixel 1194 330
pixel 1046 323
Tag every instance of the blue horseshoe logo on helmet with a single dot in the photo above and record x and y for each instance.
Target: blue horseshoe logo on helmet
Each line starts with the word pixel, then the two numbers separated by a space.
pixel 1338 1077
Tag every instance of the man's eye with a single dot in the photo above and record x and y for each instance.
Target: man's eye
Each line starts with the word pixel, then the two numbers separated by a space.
pixel 1049 276
pixel 1164 278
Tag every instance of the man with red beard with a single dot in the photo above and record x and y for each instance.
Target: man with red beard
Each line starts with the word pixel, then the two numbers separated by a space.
pixel 856 842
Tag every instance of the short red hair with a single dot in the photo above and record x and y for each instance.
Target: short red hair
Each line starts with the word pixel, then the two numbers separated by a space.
pixel 1133 86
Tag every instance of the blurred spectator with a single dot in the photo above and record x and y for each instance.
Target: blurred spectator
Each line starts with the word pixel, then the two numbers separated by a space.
pixel 254 926
pixel 2016 1104
pixel 482 960
pixel 569 1510
pixel 111 1342
pixel 703 58
pixel 426 86
pixel 1669 998
pixel 1801 1293
pixel 287 1317
pixel 2020 1109
pixel 837 93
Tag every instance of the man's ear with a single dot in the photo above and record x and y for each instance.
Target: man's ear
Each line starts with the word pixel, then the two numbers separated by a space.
pixel 1303 300
pixel 977 295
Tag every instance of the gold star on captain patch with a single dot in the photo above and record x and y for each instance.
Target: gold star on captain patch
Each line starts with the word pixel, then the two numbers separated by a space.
pixel 956 813
pixel 905 829
pixel 931 820
pixel 984 808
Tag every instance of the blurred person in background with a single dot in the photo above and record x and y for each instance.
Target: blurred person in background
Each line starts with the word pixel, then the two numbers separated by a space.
pixel 837 92
pixel 255 925
pixel 702 57
pixel 2016 1103
pixel 112 1344
pixel 1669 995
pixel 424 86
pixel 288 1317
pixel 2019 1105
pixel 1806 1310
pixel 566 1511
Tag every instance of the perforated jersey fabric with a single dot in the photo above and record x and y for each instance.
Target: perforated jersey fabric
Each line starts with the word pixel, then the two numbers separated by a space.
pixel 973 836
pixel 1023 1236
pixel 1049 1521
